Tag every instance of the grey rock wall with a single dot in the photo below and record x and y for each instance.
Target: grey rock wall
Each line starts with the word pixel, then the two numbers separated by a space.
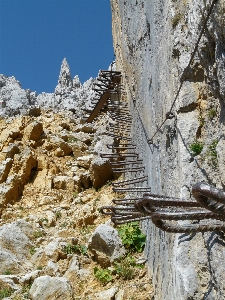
pixel 153 41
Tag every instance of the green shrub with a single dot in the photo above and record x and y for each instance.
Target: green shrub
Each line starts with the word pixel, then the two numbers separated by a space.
pixel 132 237
pixel 196 148
pixel 103 275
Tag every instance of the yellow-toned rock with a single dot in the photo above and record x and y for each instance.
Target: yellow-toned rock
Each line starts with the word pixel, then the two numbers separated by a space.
pixel 33 131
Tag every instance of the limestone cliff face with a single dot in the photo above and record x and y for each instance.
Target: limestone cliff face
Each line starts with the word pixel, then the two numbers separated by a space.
pixel 153 42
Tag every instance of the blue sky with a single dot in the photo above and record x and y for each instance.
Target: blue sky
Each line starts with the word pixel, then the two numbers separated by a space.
pixel 35 36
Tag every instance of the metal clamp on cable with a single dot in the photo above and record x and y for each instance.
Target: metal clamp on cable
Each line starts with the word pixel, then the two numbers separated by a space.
pixel 150 141
pixel 170 115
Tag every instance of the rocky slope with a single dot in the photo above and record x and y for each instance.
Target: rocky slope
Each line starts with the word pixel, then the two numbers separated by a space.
pixel 52 236
pixel 52 184
pixel 153 42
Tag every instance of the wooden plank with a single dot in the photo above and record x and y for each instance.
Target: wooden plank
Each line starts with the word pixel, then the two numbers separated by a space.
pixel 105 96
pixel 98 107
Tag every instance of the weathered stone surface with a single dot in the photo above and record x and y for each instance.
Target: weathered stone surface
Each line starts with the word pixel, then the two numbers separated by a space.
pixel 54 250
pixel 106 245
pixel 14 246
pixel 33 131
pixel 52 268
pixel 9 152
pixel 100 172
pixel 7 282
pixel 107 294
pixel 85 179
pixel 86 128
pixel 152 51
pixel 4 169
pixel 9 135
pixel 14 97
pixel 84 161
pixel 63 182
pixel 34 111
pixel 51 288
pixel 9 191
pixel 57 142
pixel 78 148
pixel 65 82
pixel 23 164
pixel 120 295
pixel 220 150
pixel 86 215
pixel 30 277
pixel 75 269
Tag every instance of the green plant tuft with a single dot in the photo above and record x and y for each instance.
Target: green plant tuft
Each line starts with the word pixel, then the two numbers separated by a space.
pixel 26 291
pixel 38 234
pixel 70 249
pixel 212 113
pixel 176 19
pixel 125 268
pixel 132 237
pixel 5 293
pixel 196 148
pixel 201 120
pixel 212 153
pixel 103 275
pixel 32 251
pixel 58 215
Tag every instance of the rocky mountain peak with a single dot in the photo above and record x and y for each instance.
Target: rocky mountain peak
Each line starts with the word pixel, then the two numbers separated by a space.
pixel 65 82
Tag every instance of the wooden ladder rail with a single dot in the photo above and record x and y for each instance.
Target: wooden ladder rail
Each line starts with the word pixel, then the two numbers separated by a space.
pixel 105 96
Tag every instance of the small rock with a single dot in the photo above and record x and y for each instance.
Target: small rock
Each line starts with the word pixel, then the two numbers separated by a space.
pixel 28 278
pixel 52 268
pixel 50 288
pixel 57 142
pixel 15 245
pixel 106 245
pixel 100 171
pixel 5 168
pixel 63 183
pixel 54 250
pixel 107 294
pixel 86 180
pixel 9 152
pixel 84 161
pixel 34 112
pixel 8 283
pixel 59 152
pixel 33 131
pixel 119 295
pixel 141 261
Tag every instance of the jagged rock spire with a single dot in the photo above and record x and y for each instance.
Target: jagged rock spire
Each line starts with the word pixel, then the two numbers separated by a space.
pixel 65 82
pixel 64 77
